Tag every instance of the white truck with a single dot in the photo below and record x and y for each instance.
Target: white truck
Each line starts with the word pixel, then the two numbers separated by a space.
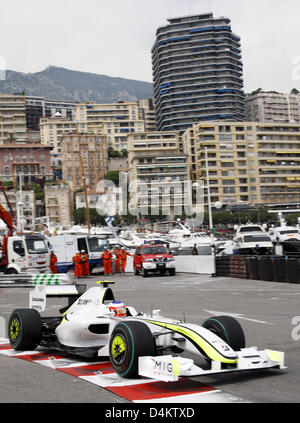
pixel 25 253
pixel 66 245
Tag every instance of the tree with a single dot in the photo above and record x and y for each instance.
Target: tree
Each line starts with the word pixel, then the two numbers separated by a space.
pixel 10 139
pixel 113 176
pixel 79 216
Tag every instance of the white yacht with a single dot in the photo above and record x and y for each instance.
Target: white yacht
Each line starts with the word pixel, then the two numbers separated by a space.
pixel 252 239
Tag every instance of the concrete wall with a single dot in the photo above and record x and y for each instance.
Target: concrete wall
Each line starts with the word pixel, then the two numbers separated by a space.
pixel 204 265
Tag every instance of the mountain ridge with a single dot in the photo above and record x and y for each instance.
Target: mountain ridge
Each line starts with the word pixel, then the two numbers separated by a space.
pixel 58 83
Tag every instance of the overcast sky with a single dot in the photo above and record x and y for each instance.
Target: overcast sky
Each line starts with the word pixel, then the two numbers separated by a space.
pixel 115 37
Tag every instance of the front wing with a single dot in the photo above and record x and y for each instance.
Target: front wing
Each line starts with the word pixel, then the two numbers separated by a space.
pixel 169 369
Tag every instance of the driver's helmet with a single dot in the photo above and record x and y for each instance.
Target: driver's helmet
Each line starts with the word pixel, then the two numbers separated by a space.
pixel 118 308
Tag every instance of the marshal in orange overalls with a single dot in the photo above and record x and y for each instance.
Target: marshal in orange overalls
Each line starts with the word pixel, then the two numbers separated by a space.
pixel 78 265
pixel 123 258
pixel 85 263
pixel 118 261
pixel 107 260
pixel 53 261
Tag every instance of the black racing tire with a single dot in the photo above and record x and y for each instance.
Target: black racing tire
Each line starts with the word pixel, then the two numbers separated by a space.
pixel 144 272
pixel 228 329
pixel 25 329
pixel 129 341
pixel 172 272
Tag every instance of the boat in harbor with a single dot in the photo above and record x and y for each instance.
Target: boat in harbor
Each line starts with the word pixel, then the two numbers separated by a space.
pixel 252 239
pixel 188 239
pixel 284 233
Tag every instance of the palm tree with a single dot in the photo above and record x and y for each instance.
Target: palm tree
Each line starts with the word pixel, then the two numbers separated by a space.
pixel 10 139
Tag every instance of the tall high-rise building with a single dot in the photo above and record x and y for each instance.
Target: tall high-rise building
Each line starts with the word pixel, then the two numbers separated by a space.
pixel 197 72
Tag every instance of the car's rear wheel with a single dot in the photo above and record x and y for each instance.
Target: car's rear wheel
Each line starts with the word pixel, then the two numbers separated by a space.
pixel 228 329
pixel 25 329
pixel 129 341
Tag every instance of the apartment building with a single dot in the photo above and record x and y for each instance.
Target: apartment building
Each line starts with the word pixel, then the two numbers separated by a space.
pixel 249 162
pixel 148 113
pixel 52 129
pixel 31 161
pixel 113 120
pixel 28 201
pixel 38 107
pixel 12 118
pixel 59 205
pixel 271 106
pixel 157 172
pixel 197 72
pixel 84 157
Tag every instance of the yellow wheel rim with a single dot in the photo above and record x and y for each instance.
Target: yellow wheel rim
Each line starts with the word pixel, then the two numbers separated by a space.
pixel 14 329
pixel 118 346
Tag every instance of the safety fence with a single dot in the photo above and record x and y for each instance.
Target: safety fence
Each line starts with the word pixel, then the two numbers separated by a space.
pixel 266 268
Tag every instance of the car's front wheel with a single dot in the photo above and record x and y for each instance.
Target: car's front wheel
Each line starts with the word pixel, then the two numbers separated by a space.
pixel 25 329
pixel 129 341
pixel 228 329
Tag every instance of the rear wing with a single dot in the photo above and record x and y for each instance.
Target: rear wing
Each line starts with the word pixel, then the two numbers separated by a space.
pixel 38 296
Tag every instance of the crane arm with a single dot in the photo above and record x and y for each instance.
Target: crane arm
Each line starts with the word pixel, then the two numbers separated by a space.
pixel 6 217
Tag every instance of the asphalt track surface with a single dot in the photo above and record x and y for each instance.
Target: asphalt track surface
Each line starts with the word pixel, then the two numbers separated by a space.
pixel 267 312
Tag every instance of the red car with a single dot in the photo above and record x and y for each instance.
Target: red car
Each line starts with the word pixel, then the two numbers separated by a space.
pixel 153 258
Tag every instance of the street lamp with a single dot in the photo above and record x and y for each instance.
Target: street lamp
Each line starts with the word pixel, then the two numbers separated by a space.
pixel 208 196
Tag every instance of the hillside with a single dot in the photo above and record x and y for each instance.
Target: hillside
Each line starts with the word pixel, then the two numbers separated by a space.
pixel 56 83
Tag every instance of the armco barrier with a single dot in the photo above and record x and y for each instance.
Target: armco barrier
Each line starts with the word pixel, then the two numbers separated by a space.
pixel 266 268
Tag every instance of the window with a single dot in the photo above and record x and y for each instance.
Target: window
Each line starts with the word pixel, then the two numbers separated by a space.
pixel 36 246
pixel 229 182
pixel 18 248
pixel 228 190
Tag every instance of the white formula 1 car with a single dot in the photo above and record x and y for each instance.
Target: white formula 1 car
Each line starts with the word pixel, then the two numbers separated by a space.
pixel 94 324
